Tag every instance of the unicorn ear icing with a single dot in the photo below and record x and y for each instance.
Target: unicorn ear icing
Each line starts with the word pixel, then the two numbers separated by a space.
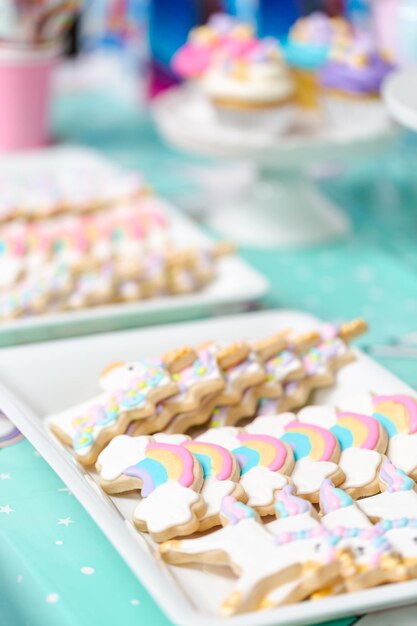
pixel 289 505
pixel 393 479
pixel 332 498
pixel 233 512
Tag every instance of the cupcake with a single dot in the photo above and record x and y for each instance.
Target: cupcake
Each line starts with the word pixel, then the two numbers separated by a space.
pixel 308 47
pixel 249 85
pixel 351 80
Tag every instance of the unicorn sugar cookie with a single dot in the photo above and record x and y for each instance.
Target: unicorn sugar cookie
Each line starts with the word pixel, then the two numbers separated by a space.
pixel 265 463
pixel 168 476
pixel 261 560
pixel 280 355
pixel 363 442
pixel 375 561
pixel 296 515
pixel 130 393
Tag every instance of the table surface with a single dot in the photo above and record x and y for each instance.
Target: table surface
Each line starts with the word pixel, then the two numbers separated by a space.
pixel 60 568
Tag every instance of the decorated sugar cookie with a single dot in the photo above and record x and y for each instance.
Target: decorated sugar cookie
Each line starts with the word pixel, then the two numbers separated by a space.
pixel 398 415
pixel 316 453
pixel 281 358
pixel 221 471
pixel 168 476
pixel 221 478
pixel 129 395
pixel 197 376
pixel 398 497
pixel 296 516
pixel 363 442
pixel 262 561
pixel 375 561
pixel 265 463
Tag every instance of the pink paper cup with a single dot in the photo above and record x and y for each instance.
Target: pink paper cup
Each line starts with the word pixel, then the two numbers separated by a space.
pixel 25 96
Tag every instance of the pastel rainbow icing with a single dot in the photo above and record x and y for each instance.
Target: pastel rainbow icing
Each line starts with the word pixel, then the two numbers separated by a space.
pixel 394 478
pixel 260 451
pixel 215 460
pixel 356 430
pixel 204 367
pixel 288 505
pixel 397 413
pixel 332 498
pixel 235 511
pixel 162 463
pixel 309 440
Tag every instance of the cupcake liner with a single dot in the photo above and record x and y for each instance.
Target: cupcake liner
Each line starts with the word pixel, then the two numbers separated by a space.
pixel 336 109
pixel 278 119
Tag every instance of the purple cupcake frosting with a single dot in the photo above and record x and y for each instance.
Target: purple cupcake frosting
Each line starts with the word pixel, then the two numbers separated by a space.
pixel 360 71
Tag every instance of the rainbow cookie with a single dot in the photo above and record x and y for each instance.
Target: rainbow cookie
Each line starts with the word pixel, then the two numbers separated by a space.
pixel 397 413
pixel 130 393
pixel 265 463
pixel 363 442
pixel 398 497
pixel 316 450
pixel 168 476
pixel 221 471
pixel 221 478
pixel 263 562
pixel 375 561
pixel 316 453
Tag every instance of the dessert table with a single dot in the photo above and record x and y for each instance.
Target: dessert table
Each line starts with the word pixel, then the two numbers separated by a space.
pixel 57 566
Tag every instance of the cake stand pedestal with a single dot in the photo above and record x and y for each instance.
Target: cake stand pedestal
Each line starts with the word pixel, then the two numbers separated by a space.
pixel 283 208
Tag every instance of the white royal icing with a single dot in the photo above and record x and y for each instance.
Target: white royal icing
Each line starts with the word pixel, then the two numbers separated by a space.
pixel 388 505
pixel 213 492
pixel 273 425
pixel 402 452
pixel 260 484
pixel 169 505
pixel 122 452
pixel 308 475
pixel 360 467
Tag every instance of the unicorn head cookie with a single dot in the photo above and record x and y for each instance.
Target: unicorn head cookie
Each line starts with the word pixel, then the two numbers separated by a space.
pixel 262 561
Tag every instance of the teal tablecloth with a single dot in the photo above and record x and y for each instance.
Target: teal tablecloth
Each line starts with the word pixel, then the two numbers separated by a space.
pixel 56 567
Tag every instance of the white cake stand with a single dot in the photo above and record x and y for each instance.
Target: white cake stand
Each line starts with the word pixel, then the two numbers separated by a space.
pixel 400 96
pixel 283 208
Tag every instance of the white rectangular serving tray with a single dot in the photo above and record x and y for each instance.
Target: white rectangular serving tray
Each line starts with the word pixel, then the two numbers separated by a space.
pixel 40 379
pixel 236 285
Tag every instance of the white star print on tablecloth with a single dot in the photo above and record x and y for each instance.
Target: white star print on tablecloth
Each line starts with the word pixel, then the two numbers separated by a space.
pixel 65 521
pixel 6 509
pixel 5 476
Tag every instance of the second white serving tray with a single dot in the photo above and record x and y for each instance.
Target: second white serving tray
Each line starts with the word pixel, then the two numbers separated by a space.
pixel 236 285
pixel 40 379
